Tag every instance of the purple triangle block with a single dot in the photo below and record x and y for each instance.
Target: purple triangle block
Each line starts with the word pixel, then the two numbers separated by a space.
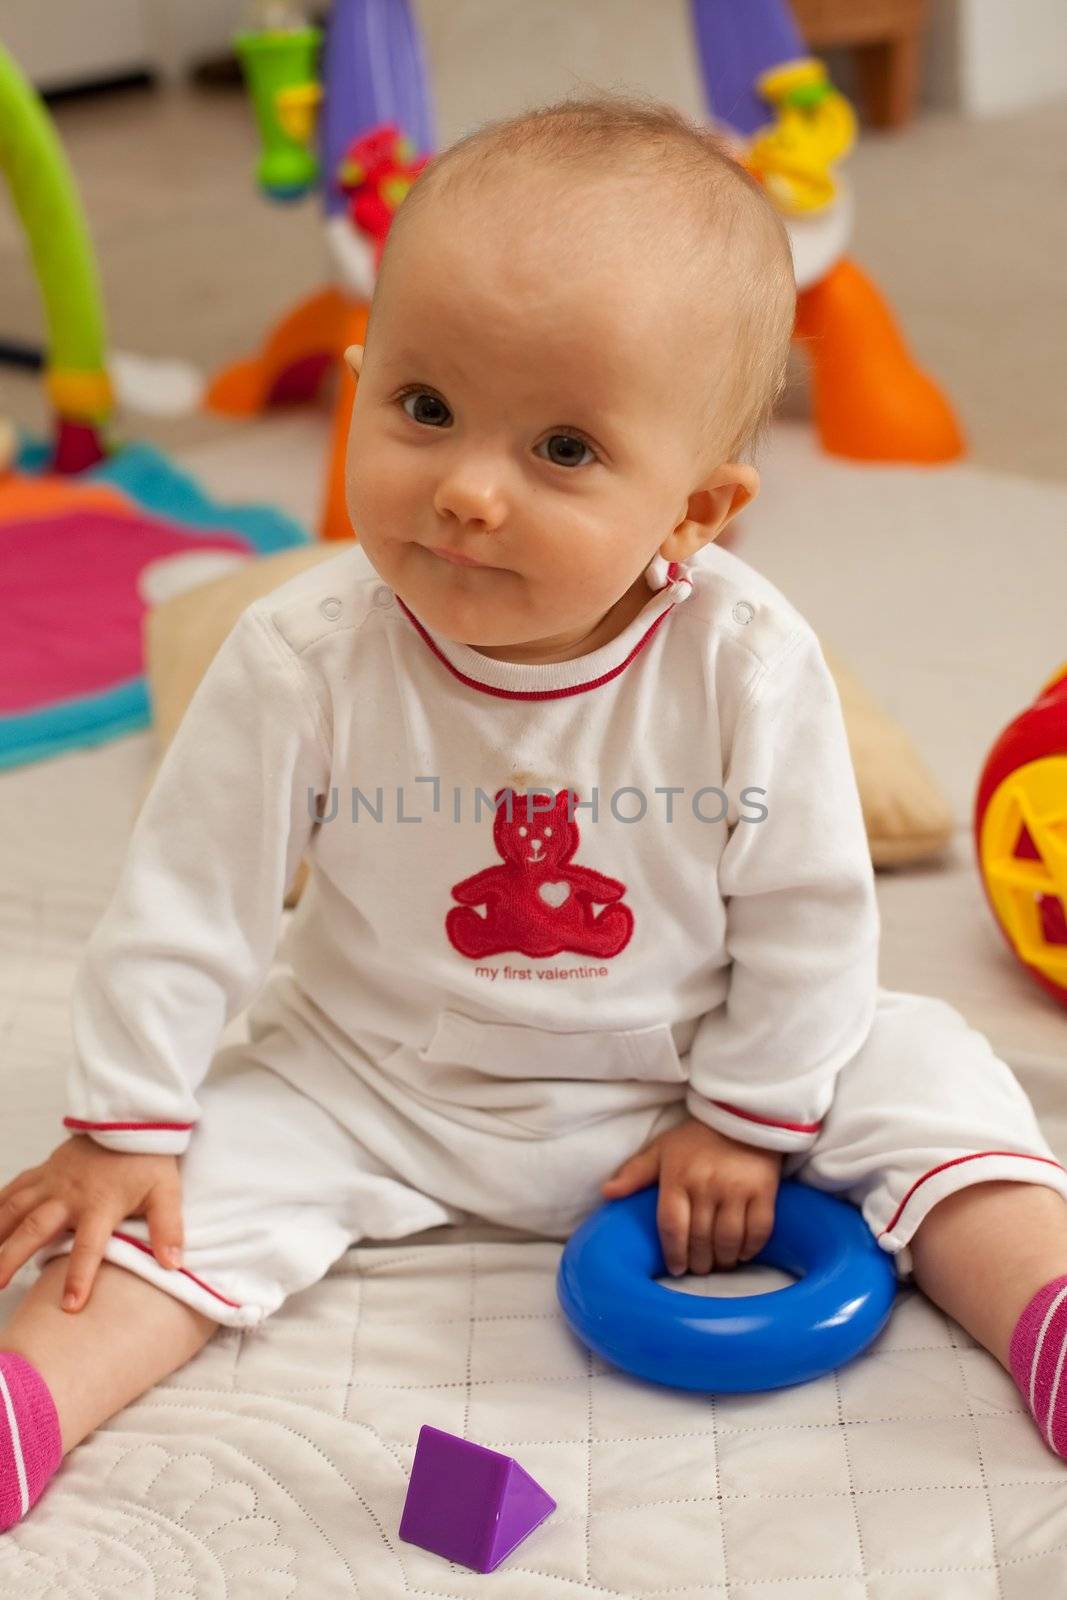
pixel 468 1503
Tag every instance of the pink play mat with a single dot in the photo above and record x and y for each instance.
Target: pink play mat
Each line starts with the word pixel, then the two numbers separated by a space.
pixel 76 565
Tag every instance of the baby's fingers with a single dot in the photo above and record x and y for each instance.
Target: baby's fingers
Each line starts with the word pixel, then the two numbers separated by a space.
pixel 163 1213
pixel 90 1240
pixel 34 1231
pixel 672 1220
pixel 701 1233
pixel 759 1225
pixel 729 1232
pixel 636 1173
pixel 15 1207
pixel 18 1182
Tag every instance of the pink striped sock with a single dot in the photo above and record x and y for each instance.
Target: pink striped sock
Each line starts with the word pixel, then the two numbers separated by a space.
pixel 1038 1357
pixel 30 1446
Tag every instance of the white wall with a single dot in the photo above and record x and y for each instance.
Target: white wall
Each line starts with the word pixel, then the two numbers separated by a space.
pixel 489 56
pixel 987 57
pixel 983 57
pixel 59 43
pixel 186 32
pixel 62 42
pixel 1013 54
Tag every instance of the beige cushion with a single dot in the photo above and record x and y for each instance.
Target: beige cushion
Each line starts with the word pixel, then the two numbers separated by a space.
pixel 183 634
pixel 907 817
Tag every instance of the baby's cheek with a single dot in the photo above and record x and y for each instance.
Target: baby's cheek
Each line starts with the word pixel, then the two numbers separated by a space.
pixel 364 489
pixel 381 518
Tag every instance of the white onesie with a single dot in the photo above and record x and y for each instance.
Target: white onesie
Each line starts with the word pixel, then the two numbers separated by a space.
pixel 551 909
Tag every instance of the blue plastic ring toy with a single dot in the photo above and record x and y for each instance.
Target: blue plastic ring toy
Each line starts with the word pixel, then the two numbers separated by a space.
pixel 841 1301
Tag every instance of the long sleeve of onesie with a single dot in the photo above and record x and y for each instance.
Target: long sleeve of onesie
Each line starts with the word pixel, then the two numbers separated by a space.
pixel 802 925
pixel 188 936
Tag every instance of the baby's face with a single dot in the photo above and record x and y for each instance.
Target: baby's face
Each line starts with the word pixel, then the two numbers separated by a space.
pixel 526 431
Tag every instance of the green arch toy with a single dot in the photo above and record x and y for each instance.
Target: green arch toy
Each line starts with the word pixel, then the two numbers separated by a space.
pixel 47 202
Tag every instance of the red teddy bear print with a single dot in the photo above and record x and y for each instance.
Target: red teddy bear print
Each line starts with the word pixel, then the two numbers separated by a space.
pixel 538 903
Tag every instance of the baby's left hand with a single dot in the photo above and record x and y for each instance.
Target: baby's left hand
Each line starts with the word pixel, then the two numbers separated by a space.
pixel 716 1196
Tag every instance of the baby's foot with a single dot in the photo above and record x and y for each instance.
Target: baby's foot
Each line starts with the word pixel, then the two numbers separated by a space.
pixel 1038 1357
pixel 30 1445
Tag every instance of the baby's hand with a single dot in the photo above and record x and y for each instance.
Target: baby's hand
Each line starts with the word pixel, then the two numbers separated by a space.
pixel 89 1190
pixel 716 1196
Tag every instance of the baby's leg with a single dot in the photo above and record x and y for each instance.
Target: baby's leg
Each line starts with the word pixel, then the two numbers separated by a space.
pixel 95 1361
pixel 983 1253
pixel 274 1190
pixel 63 1373
pixel 995 1257
pixel 933 1136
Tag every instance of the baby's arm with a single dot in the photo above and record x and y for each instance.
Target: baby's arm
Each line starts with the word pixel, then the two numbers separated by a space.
pixel 189 934
pixel 185 942
pixel 802 925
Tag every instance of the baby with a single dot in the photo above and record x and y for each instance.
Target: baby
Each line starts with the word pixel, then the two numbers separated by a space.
pixel 590 903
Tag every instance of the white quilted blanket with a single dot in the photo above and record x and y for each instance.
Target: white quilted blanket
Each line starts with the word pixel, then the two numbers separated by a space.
pixel 275 1465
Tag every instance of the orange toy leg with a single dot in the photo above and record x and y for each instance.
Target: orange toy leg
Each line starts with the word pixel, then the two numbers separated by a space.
pixel 871 402
pixel 335 523
pixel 291 364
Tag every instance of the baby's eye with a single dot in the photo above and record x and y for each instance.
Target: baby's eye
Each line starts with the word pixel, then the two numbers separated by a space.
pixel 568 450
pixel 522 833
pixel 429 412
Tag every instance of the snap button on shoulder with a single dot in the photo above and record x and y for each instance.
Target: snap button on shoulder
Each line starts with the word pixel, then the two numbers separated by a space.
pixel 331 608
pixel 743 613
pixel 383 595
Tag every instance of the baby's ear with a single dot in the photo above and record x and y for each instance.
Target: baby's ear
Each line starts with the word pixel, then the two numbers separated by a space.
pixel 354 357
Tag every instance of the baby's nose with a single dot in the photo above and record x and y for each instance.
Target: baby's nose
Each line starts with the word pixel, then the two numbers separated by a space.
pixel 471 495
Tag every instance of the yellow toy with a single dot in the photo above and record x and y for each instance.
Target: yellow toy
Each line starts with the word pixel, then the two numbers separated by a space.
pixel 814 127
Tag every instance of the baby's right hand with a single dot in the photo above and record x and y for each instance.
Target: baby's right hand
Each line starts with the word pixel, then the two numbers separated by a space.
pixel 88 1190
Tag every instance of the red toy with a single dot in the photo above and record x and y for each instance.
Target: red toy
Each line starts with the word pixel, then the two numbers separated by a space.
pixel 1020 827
pixel 376 174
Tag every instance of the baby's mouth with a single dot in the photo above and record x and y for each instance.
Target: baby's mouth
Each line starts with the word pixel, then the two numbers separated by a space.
pixel 455 556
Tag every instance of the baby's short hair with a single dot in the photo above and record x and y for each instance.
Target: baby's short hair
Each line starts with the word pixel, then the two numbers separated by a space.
pixel 719 205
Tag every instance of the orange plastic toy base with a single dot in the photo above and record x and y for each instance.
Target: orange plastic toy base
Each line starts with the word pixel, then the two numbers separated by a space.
pixel 308 342
pixel 310 333
pixel 870 400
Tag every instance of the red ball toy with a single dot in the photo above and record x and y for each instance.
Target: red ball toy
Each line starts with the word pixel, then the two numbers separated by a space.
pixel 1020 830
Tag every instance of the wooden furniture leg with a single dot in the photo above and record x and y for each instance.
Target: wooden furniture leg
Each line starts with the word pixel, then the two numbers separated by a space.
pixel 886 39
pixel 889 79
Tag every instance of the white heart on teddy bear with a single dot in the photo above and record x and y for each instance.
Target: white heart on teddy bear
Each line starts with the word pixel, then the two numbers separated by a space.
pixel 554 893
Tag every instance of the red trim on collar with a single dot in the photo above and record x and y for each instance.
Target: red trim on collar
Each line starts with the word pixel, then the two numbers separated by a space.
pixel 534 694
